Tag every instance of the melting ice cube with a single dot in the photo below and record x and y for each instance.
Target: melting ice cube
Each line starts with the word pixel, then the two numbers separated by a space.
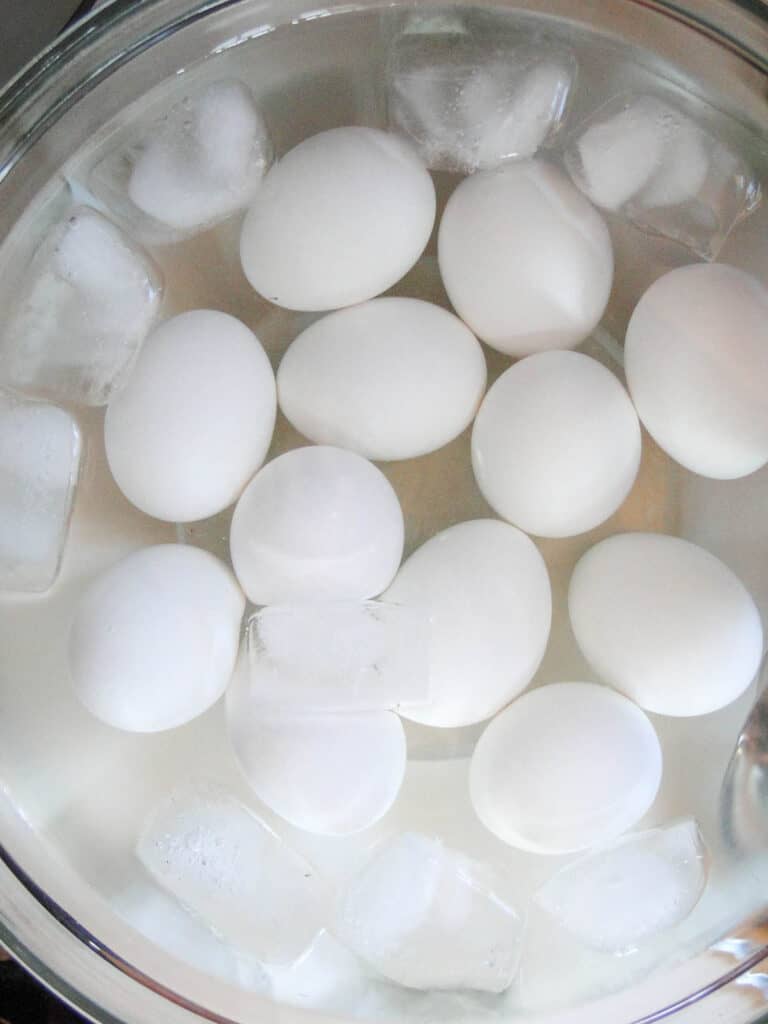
pixel 88 301
pixel 345 656
pixel 668 173
pixel 39 461
pixel 195 166
pixel 618 898
pixel 227 866
pixel 466 108
pixel 428 917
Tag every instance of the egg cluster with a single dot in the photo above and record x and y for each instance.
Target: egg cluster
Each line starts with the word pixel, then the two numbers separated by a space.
pixel 556 445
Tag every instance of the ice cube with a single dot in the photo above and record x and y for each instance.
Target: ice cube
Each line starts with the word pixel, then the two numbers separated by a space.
pixel 428 917
pixel 466 108
pixel 664 170
pixel 39 461
pixel 87 302
pixel 618 898
pixel 195 166
pixel 227 866
pixel 340 656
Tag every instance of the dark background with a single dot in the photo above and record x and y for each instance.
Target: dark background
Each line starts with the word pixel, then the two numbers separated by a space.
pixel 26 26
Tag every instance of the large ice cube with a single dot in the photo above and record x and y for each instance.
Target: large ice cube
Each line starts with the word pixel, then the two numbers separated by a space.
pixel 620 897
pixel 39 461
pixel 198 164
pixel 227 866
pixel 345 656
pixel 664 170
pixel 428 917
pixel 465 107
pixel 87 302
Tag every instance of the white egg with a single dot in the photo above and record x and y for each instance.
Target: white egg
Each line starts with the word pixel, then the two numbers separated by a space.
pixel 696 356
pixel 316 524
pixel 390 379
pixel 154 638
pixel 526 260
pixel 486 589
pixel 565 767
pixel 556 444
pixel 665 622
pixel 328 773
pixel 338 220
pixel 195 420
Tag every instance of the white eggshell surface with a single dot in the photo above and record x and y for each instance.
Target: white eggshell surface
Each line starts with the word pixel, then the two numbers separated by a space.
pixel 195 420
pixel 339 219
pixel 526 260
pixel 696 358
pixel 487 592
pixel 556 444
pixel 565 767
pixel 316 524
pixel 391 378
pixel 665 622
pixel 154 638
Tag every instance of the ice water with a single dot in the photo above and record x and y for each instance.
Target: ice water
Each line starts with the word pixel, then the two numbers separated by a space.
pixel 88 790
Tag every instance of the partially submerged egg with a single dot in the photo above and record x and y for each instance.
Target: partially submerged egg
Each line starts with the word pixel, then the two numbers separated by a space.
pixel 565 767
pixel 155 637
pixel 486 590
pixel 665 622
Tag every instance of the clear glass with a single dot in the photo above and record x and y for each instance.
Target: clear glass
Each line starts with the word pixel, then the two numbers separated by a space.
pixel 65 811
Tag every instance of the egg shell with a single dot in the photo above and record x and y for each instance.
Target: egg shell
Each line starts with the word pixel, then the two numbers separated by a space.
pixel 339 219
pixel 526 260
pixel 390 379
pixel 195 420
pixel 155 637
pixel 316 524
pixel 665 622
pixel 487 592
pixel 565 767
pixel 696 359
pixel 556 444
pixel 324 772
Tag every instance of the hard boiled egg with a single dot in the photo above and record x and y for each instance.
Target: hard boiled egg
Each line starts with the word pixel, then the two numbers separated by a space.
pixel 665 622
pixel 556 444
pixel 565 767
pixel 338 220
pixel 324 772
pixel 696 357
pixel 196 419
pixel 390 379
pixel 525 259
pixel 486 590
pixel 316 524
pixel 155 637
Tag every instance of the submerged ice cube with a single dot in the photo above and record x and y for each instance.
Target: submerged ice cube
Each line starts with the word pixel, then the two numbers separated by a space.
pixel 428 917
pixel 87 302
pixel 466 108
pixel 620 897
pixel 39 461
pixel 665 171
pixel 228 867
pixel 345 656
pixel 193 167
